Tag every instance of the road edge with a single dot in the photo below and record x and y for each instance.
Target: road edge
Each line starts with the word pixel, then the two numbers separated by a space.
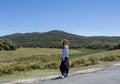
pixel 32 80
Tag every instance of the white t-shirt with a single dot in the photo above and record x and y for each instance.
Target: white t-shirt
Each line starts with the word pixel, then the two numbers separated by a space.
pixel 65 52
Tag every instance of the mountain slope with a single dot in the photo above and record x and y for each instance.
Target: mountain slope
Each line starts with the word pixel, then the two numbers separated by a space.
pixel 53 38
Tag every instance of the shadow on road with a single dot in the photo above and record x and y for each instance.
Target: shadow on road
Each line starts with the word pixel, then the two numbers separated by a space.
pixel 57 78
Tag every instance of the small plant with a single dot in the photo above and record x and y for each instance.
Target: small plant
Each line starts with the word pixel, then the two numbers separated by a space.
pixel 21 67
pixel 77 62
pixel 92 60
pixel 52 66
pixel 108 58
pixel 36 66
pixel 6 69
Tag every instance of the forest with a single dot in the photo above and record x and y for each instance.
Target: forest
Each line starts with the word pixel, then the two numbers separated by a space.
pixel 52 39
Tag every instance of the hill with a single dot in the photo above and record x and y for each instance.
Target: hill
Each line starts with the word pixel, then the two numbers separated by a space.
pixel 53 38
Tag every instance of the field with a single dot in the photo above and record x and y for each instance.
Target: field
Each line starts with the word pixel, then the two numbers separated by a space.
pixel 41 60
pixel 28 52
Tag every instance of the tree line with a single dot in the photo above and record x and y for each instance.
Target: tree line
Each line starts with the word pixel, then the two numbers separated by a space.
pixel 53 39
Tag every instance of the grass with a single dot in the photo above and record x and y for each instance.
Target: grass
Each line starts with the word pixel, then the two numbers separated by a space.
pixel 25 52
pixel 84 52
pixel 25 59
pixel 28 74
pixel 48 72
pixel 96 58
pixel 30 62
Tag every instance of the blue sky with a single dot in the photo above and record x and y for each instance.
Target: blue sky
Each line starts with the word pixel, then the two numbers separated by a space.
pixel 81 17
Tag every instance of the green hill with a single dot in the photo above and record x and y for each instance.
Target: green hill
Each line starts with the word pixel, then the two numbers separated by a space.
pixel 53 38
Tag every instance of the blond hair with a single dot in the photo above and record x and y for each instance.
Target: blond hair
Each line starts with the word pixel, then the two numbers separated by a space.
pixel 64 42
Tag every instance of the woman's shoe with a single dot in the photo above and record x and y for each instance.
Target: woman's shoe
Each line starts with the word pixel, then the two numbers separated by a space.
pixel 62 77
pixel 66 75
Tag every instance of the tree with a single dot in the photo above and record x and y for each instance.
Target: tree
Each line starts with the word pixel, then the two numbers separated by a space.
pixel 6 44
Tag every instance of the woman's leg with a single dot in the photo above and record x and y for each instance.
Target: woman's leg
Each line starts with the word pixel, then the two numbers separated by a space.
pixel 62 68
pixel 66 65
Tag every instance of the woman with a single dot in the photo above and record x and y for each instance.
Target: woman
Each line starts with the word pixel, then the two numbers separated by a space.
pixel 64 67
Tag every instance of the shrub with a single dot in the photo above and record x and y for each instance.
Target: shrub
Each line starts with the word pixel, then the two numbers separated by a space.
pixel 6 47
pixel 87 63
pixel 6 44
pixel 51 66
pixel 6 69
pixel 36 66
pixel 20 67
pixel 1 70
pixel 77 62
pixel 118 57
pixel 92 60
pixel 108 58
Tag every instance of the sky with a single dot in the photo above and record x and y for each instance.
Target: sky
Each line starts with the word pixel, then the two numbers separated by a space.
pixel 81 17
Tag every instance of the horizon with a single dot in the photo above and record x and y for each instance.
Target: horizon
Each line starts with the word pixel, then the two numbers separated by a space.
pixel 59 31
pixel 79 17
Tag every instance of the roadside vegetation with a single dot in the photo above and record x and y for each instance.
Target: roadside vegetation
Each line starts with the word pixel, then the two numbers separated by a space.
pixel 27 59
pixel 6 44
pixel 41 51
pixel 98 58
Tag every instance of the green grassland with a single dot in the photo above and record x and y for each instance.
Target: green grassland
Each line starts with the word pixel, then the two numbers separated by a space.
pixel 27 52
pixel 29 61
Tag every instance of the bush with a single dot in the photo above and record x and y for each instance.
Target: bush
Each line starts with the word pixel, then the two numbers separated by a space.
pixel 87 63
pixel 6 44
pixel 6 47
pixel 77 62
pixel 36 66
pixel 6 69
pixel 118 57
pixel 51 66
pixel 84 62
pixel 20 67
pixel 1 70
pixel 108 58
pixel 92 60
